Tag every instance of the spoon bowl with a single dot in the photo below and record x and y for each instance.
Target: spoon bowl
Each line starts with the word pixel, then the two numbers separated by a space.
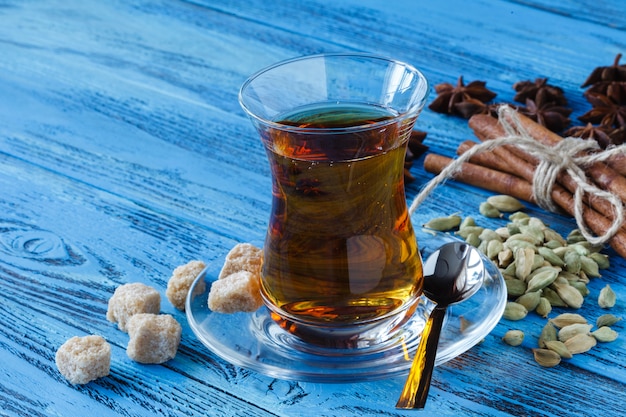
pixel 453 273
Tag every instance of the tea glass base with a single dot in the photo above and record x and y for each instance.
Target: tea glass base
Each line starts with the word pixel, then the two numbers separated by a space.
pixel 255 341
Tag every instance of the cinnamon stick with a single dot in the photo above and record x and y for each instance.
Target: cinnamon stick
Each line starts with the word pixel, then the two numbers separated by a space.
pixel 602 174
pixel 503 160
pixel 482 177
pixel 618 164
pixel 503 183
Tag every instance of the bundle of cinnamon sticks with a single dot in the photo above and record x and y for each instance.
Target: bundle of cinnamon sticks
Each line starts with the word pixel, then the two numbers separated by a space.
pixel 509 170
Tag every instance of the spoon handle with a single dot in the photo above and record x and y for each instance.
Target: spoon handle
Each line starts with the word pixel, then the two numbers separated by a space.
pixel 416 387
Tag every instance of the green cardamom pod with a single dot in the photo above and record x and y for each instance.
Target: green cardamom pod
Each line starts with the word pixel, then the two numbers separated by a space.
pixel 548 332
pixel 553 297
pixel 546 357
pixel 605 334
pixel 549 255
pixel 542 279
pixel 494 247
pixel 514 311
pixel 505 203
pixel 515 287
pixel 566 319
pixel 570 295
pixel 530 300
pixel 488 210
pixel 464 232
pixel 607 320
pixel 572 330
pixel 444 224
pixel 560 348
pixel 468 221
pixel 589 266
pixel 601 259
pixel 580 343
pixel 543 308
pixel 513 337
pixel 473 239
pixel 523 262
pixel 607 297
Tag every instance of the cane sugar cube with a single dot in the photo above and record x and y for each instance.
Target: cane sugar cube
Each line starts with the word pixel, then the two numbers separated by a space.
pixel 154 338
pixel 131 299
pixel 181 280
pixel 237 292
pixel 242 257
pixel 83 359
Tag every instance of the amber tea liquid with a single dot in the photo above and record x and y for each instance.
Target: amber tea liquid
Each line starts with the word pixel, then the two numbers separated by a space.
pixel 340 248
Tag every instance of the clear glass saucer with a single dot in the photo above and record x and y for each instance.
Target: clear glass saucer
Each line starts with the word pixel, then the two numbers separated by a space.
pixel 254 341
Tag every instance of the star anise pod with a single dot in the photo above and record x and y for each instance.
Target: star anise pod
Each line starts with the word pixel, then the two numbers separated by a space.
pixel 469 107
pixel 601 134
pixel 614 72
pixel 548 114
pixel 448 96
pixel 539 91
pixel 605 111
pixel 614 89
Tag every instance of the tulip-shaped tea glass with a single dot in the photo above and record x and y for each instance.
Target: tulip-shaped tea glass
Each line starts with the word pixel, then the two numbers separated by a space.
pixel 341 266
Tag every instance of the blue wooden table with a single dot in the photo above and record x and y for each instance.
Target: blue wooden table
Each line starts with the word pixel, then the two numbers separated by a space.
pixel 124 154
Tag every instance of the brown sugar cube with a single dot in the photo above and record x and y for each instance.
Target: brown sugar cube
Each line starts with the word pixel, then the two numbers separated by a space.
pixel 240 291
pixel 83 359
pixel 131 299
pixel 154 338
pixel 180 282
pixel 242 257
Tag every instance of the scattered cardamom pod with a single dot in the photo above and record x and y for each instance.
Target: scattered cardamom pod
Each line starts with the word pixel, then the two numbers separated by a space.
pixel 566 319
pixel 560 348
pixel 589 266
pixel 488 210
pixel 513 337
pixel 607 297
pixel 467 221
pixel 494 247
pixel 572 261
pixel 570 295
pixel 542 280
pixel 549 255
pixel 529 300
pixel 544 308
pixel 580 343
pixel 465 231
pixel 573 330
pixel 601 259
pixel 524 263
pixel 515 287
pixel 444 224
pixel 505 203
pixel 607 320
pixel 546 357
pixel 505 257
pixel 472 239
pixel 553 297
pixel 514 311
pixel 548 333
pixel 605 334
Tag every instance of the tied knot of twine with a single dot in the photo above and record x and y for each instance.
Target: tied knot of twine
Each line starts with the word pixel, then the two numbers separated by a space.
pixel 568 155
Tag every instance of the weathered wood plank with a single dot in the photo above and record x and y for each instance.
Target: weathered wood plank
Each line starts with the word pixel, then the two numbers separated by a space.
pixel 124 153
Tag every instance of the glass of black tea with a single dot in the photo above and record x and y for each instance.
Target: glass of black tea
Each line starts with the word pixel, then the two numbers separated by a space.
pixel 341 266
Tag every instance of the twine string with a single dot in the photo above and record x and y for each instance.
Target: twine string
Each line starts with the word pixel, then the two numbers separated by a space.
pixel 568 155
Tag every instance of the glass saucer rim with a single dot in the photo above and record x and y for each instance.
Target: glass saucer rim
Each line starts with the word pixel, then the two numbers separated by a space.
pixel 460 345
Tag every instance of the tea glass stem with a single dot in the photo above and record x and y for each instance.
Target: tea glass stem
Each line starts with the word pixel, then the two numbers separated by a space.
pixel 417 385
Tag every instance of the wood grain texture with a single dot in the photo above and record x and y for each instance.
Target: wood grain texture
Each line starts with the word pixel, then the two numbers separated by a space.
pixel 124 153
